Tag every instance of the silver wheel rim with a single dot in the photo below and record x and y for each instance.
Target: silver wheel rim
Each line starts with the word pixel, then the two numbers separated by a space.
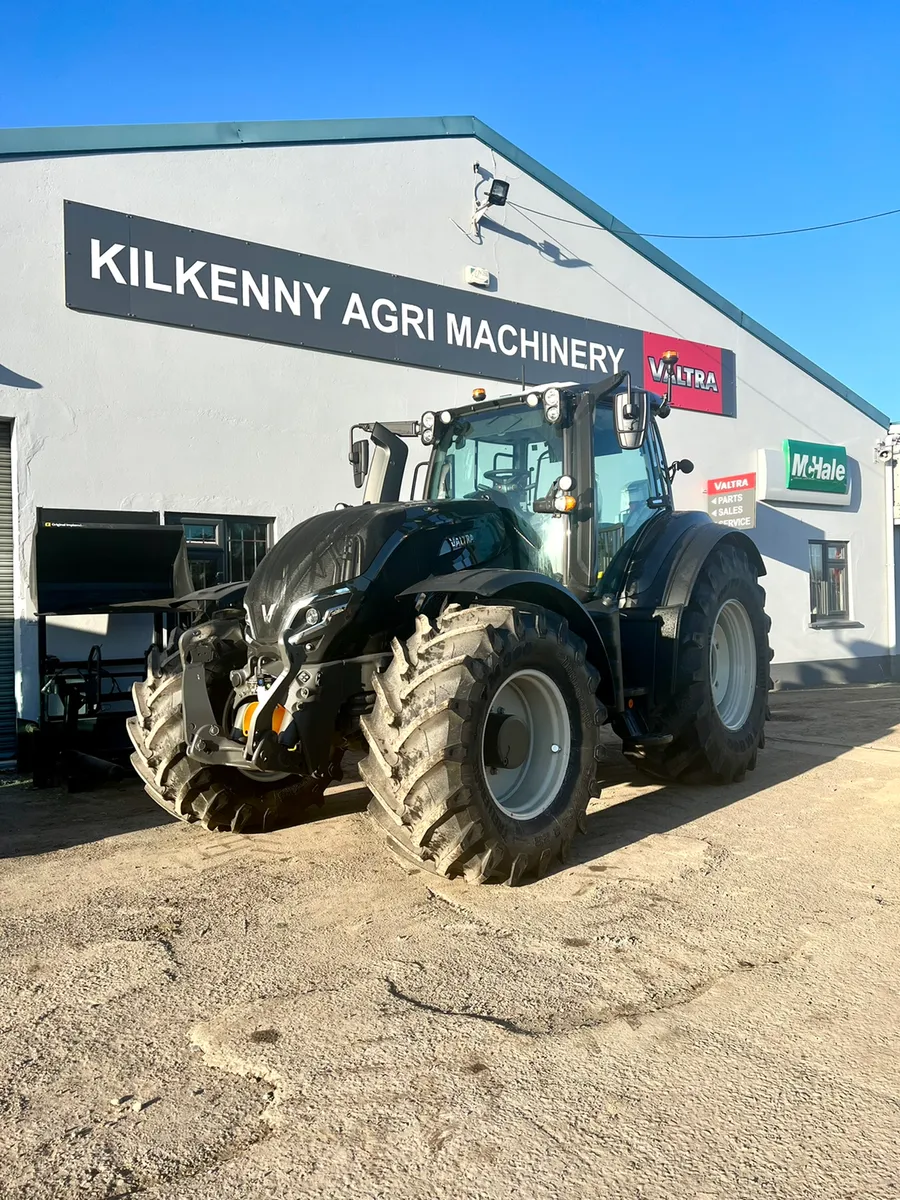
pixel 524 792
pixel 732 664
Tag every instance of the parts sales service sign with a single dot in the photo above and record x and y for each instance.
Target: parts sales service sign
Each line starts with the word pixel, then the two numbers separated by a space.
pixel 127 266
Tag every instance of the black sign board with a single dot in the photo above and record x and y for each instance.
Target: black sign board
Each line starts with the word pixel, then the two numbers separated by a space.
pixel 82 567
pixel 130 266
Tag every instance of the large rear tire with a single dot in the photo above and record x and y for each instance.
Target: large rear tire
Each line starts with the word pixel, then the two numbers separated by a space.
pixel 717 713
pixel 217 797
pixel 483 743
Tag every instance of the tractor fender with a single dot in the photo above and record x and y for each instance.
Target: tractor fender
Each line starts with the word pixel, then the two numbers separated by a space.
pixel 530 587
pixel 693 552
pixel 667 557
pixel 690 555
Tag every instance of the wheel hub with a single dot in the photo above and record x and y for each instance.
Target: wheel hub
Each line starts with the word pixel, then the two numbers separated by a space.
pixel 506 741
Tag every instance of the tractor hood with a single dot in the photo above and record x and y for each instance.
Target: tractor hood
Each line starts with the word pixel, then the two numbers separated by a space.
pixel 320 553
pixel 384 549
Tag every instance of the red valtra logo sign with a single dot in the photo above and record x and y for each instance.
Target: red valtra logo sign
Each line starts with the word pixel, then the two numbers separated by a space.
pixel 704 378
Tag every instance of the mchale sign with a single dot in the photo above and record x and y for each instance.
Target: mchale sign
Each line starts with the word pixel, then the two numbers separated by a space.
pixel 149 270
pixel 813 467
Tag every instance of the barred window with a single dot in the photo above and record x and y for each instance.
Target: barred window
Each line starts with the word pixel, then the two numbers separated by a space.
pixel 829 592
pixel 223 549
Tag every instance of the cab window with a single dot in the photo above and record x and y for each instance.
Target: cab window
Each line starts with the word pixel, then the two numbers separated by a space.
pixel 513 457
pixel 628 487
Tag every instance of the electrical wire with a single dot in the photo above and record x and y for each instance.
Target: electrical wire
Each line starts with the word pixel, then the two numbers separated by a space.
pixel 711 237
pixel 789 412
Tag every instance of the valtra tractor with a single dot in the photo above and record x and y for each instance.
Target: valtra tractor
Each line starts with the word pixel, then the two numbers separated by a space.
pixel 472 643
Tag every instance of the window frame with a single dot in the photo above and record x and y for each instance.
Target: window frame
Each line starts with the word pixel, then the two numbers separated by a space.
pixel 664 497
pixel 837 617
pixel 217 522
pixel 219 549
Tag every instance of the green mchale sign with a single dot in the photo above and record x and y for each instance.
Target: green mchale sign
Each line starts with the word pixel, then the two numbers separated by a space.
pixel 811 467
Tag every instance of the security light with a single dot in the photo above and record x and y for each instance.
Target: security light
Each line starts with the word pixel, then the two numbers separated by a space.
pixel 498 193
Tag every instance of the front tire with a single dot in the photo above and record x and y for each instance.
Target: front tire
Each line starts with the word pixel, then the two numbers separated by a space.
pixel 483 743
pixel 717 713
pixel 219 798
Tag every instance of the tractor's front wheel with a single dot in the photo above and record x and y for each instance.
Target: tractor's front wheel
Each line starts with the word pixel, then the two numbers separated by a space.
pixel 483 743
pixel 220 798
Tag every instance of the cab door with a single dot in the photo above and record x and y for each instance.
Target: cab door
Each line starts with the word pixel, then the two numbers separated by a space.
pixel 630 488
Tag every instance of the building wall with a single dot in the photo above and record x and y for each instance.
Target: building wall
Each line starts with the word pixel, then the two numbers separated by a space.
pixel 114 413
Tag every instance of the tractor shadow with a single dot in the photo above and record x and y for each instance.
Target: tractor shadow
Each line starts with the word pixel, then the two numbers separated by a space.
pixel 42 820
pixel 807 729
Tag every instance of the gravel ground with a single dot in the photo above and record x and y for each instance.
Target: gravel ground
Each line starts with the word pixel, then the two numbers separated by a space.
pixel 704 1003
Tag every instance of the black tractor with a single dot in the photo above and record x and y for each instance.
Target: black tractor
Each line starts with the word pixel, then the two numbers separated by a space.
pixel 472 643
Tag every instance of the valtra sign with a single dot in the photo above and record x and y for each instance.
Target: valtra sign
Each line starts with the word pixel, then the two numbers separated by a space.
pixel 731 500
pixel 127 266
pixel 704 377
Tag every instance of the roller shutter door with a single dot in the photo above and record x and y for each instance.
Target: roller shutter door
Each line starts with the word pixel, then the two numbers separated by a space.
pixel 7 611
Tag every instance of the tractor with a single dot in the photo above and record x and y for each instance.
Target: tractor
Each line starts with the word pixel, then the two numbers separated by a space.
pixel 471 644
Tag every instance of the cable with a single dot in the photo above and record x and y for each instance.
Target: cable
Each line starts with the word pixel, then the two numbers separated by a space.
pixel 710 237
pixel 789 412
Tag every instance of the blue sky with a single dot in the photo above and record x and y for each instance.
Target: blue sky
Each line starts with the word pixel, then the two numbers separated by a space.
pixel 686 118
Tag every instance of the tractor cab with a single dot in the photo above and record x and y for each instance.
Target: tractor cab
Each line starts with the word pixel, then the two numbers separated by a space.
pixel 576 492
pixel 579 469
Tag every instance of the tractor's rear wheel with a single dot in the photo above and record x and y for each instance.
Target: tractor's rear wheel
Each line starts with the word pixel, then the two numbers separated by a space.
pixel 716 716
pixel 483 743
pixel 216 797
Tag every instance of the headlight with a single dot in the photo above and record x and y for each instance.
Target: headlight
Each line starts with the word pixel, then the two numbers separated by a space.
pixel 320 613
pixel 428 420
pixel 532 399
pixel 552 405
pixel 427 436
pixel 563 503
pixel 446 417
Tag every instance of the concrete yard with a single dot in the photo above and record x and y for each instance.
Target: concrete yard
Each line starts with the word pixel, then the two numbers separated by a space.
pixel 703 1003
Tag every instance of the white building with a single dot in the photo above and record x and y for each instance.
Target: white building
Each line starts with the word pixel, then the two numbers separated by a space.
pixel 193 316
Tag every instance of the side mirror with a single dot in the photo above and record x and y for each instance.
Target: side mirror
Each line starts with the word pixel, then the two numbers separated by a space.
pixel 359 459
pixel 631 416
pixel 684 465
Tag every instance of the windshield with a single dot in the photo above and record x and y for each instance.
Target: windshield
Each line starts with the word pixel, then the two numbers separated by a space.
pixel 511 456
